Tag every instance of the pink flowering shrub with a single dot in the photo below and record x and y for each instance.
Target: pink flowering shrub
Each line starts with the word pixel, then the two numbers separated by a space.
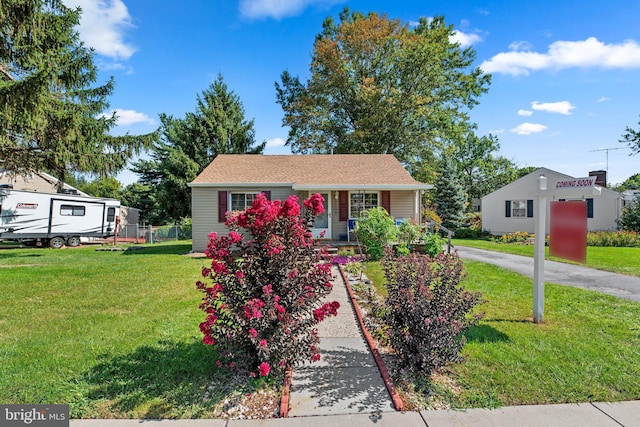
pixel 265 285
pixel 429 310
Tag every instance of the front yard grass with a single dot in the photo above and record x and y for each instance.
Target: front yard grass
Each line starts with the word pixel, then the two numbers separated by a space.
pixel 616 260
pixel 115 335
pixel 587 350
pixel 112 334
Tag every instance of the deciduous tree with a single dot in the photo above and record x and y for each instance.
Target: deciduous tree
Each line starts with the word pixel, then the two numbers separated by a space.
pixel 379 86
pixel 480 171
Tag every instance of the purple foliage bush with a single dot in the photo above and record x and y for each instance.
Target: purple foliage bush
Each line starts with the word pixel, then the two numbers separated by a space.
pixel 429 310
pixel 263 302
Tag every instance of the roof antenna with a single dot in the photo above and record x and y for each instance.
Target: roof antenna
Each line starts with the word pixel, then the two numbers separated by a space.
pixel 607 151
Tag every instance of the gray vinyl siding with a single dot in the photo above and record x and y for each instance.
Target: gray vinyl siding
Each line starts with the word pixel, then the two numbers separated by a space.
pixel 204 203
pixel 204 213
pixel 204 210
pixel 402 204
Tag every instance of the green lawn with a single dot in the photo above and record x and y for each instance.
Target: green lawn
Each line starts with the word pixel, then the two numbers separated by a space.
pixel 588 349
pixel 617 260
pixel 113 334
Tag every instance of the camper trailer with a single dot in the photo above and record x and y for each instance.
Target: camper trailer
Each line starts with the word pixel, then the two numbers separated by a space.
pixel 56 220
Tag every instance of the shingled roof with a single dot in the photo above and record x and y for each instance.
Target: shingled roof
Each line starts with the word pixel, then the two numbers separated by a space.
pixel 308 172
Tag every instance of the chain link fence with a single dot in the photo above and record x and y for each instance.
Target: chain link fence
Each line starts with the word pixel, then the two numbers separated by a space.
pixel 136 233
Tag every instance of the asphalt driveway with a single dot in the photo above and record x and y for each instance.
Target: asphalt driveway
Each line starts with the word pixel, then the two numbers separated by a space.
pixel 618 285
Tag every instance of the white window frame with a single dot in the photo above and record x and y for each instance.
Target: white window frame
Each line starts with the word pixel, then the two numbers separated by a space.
pixel 246 204
pixel 519 206
pixel 353 214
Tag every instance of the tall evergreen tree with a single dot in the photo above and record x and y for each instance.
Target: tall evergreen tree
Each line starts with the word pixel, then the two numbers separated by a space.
pixel 51 117
pixel 189 144
pixel 450 198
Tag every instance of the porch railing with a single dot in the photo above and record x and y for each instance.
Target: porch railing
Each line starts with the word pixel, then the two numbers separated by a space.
pixel 431 224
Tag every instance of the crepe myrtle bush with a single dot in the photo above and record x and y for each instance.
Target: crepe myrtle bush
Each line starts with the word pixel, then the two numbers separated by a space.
pixel 264 287
pixel 429 310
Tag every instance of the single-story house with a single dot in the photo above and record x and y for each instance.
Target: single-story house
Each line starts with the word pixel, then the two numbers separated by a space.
pixel 349 184
pixel 511 208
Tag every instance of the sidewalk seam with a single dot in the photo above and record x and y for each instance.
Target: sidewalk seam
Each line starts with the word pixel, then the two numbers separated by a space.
pixel 616 421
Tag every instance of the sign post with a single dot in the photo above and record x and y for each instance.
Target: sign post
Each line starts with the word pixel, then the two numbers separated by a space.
pixel 540 231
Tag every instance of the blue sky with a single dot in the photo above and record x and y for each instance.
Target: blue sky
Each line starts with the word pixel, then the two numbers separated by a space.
pixel 566 74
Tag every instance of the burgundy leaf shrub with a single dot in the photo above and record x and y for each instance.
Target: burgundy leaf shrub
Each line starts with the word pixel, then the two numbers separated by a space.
pixel 429 310
pixel 266 281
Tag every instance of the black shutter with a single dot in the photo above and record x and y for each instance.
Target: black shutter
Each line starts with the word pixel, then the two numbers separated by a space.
pixel 507 208
pixel 529 208
pixel 267 194
pixel 222 206
pixel 589 208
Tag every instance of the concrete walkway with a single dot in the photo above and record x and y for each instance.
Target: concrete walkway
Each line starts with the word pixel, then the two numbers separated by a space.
pixel 626 414
pixel 346 380
pixel 618 285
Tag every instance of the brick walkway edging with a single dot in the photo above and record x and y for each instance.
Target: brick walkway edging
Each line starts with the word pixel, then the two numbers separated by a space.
pixel 286 391
pixel 382 367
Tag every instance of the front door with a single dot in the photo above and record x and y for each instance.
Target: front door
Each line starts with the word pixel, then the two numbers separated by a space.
pixel 322 223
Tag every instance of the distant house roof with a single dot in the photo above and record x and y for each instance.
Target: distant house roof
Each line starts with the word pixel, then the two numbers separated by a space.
pixel 543 171
pixel 309 172
pixel 37 181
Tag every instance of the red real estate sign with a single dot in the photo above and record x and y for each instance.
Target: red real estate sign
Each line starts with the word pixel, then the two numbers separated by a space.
pixel 568 230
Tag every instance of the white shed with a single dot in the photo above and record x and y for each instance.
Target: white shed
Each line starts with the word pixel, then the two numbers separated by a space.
pixel 511 208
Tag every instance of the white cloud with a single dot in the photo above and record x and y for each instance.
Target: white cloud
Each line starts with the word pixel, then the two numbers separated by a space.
pixel 496 131
pixel 589 53
pixel 465 39
pixel 130 117
pixel 275 142
pixel 603 99
pixel 527 128
pixel 562 107
pixel 279 8
pixel 524 112
pixel 520 46
pixel 103 24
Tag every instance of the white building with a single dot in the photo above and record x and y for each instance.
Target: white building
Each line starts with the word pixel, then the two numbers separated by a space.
pixel 511 208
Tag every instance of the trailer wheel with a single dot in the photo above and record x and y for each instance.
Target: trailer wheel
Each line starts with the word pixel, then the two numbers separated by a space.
pixel 56 242
pixel 73 241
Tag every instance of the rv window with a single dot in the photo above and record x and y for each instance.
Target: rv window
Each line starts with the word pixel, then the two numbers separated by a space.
pixel 71 210
pixel 111 214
